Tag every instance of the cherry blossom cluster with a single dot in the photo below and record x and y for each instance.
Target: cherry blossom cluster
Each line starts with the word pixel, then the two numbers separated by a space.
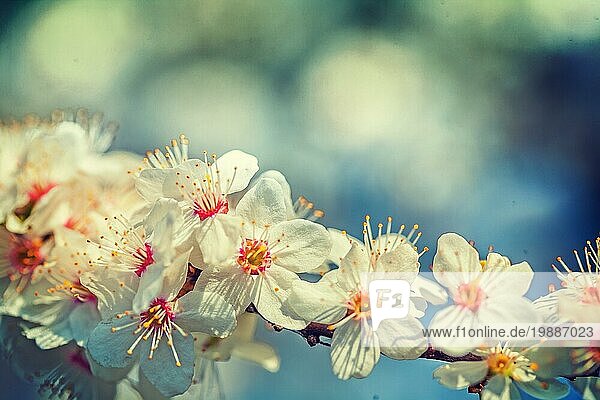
pixel 130 277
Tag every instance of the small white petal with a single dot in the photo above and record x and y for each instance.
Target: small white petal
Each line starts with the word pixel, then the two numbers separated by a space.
pixel 429 290
pixel 349 355
pixel 302 246
pixel 108 348
pixel 455 261
pixel 206 312
pixel 321 302
pixel 236 168
pixel 401 339
pixel 259 353
pixel 271 292
pixel 450 318
pixel 461 374
pixel 161 371
pixel 352 266
pixel 219 238
pixel 499 387
pixel 402 261
pixel 263 204
pixel 149 184
pixel 231 283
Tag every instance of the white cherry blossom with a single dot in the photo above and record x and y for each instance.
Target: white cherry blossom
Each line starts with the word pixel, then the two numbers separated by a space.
pixel 488 292
pixel 505 370
pixel 341 300
pixel 257 260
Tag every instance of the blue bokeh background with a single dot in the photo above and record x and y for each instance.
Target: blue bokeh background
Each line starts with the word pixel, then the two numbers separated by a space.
pixel 467 116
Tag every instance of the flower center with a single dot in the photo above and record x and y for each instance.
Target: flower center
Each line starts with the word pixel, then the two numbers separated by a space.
pixel 591 295
pixel 160 311
pixel 209 204
pixel 254 256
pixel 469 296
pixel 500 363
pixel 145 256
pixel 38 190
pixel 75 289
pixel 358 305
pixel 24 255
pixel 157 321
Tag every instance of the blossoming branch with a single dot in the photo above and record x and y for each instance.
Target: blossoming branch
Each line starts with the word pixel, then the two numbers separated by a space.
pixel 125 277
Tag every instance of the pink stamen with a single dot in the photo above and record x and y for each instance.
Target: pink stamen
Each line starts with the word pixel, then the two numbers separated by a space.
pixel 25 254
pixel 210 204
pixel 146 256
pixel 254 256
pixel 38 191
pixel 469 296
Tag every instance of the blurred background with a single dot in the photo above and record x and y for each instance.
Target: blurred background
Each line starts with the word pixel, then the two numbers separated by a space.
pixel 479 117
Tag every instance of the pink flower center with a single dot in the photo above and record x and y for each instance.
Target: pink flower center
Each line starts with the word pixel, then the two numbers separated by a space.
pixel 145 256
pixel 470 296
pixel 38 190
pixel 158 314
pixel 358 305
pixel 80 293
pixel 25 254
pixel 591 295
pixel 254 256
pixel 209 204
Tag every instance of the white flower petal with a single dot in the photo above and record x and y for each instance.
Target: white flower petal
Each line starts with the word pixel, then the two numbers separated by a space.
pixel 517 277
pixel 499 387
pixel 340 245
pixel 302 246
pixel 174 275
pixel 150 286
pixel 114 290
pixel 506 309
pixel 402 261
pixel 149 183
pixel 108 348
pixel 270 293
pixel 166 212
pixel 349 355
pixel 206 383
pixel 401 339
pixel 231 283
pixel 161 371
pixel 219 238
pixel 285 187
pixel 263 204
pixel 206 312
pixel 461 374
pixel 51 336
pixel 450 318
pixel 259 353
pixel 82 321
pixel 429 290
pixel 236 168
pixel 352 266
pixel 161 281
pixel 321 302
pixel 496 261
pixel 457 257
